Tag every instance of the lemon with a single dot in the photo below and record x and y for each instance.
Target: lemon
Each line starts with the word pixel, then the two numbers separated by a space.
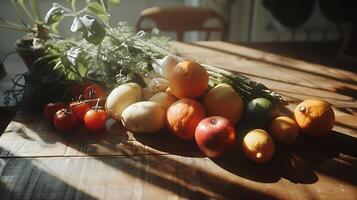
pixel 258 146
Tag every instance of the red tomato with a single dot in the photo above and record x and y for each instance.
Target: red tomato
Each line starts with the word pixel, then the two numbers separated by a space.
pixel 79 109
pixel 93 92
pixel 95 119
pixel 78 89
pixel 51 108
pixel 64 120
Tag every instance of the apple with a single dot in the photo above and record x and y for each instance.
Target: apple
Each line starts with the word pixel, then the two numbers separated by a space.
pixel 215 136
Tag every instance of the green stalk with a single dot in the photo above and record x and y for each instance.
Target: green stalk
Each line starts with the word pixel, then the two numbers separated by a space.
pixel 18 12
pixel 244 86
pixel 73 4
pixel 10 23
pixel 17 28
pixel 35 10
pixel 28 14
pixel 103 5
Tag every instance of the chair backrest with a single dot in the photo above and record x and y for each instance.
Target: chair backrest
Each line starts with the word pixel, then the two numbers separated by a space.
pixel 182 19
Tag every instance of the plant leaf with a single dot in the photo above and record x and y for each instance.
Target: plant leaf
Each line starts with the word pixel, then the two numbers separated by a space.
pixel 99 10
pixel 114 1
pixel 92 31
pixel 58 65
pixel 73 54
pixel 21 2
pixel 54 15
pixel 54 27
pixel 76 24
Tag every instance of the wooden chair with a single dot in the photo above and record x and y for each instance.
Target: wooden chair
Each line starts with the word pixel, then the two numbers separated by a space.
pixel 182 19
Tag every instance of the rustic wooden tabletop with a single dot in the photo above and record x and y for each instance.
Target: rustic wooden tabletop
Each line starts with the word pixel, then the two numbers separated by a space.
pixel 37 162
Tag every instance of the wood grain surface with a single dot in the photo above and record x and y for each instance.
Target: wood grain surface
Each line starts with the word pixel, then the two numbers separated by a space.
pixel 38 162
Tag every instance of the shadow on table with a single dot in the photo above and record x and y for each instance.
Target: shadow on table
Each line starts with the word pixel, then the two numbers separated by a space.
pixel 284 163
pixel 24 179
pixel 334 156
pixel 164 141
pixel 181 176
pixel 6 115
pixel 189 177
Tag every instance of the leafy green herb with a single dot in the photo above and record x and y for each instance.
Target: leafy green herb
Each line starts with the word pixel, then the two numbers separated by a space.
pixel 99 10
pixel 92 30
pixel 54 15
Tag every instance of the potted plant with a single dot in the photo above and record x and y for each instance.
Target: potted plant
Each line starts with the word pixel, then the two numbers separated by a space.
pixel 35 30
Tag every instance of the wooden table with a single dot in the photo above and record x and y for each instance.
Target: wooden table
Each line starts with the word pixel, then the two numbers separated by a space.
pixel 37 162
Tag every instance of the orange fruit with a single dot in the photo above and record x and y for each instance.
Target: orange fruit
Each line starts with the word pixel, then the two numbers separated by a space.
pixel 258 146
pixel 183 116
pixel 314 117
pixel 188 79
pixel 284 129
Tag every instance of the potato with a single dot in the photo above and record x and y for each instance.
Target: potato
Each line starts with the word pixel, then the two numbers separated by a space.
pixel 144 117
pixel 163 99
pixel 146 94
pixel 121 97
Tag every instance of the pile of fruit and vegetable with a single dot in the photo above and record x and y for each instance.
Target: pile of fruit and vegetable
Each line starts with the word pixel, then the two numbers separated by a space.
pixel 135 78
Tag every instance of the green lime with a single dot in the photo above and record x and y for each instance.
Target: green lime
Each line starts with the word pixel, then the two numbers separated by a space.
pixel 260 111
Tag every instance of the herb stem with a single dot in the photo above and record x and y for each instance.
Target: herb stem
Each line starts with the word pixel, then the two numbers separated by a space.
pixel 17 28
pixel 35 10
pixel 10 23
pixel 82 11
pixel 28 14
pixel 73 4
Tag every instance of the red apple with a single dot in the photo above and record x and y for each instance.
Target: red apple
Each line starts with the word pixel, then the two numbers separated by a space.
pixel 215 136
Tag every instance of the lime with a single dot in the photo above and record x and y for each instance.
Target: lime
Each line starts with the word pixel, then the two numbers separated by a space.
pixel 260 111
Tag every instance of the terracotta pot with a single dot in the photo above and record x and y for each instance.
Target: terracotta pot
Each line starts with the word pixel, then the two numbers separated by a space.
pixel 25 49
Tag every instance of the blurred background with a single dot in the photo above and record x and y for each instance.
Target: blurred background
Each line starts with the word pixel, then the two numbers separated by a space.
pixel 293 27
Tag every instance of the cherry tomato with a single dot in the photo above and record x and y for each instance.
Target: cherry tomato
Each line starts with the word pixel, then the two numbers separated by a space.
pixel 51 108
pixel 79 109
pixel 93 92
pixel 95 119
pixel 64 120
pixel 78 89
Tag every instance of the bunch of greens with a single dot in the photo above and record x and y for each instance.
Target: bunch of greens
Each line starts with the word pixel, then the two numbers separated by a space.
pixel 108 56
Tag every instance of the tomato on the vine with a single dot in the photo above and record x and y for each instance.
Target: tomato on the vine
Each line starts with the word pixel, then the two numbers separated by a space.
pixel 51 108
pixel 64 120
pixel 93 92
pixel 77 90
pixel 95 118
pixel 79 109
